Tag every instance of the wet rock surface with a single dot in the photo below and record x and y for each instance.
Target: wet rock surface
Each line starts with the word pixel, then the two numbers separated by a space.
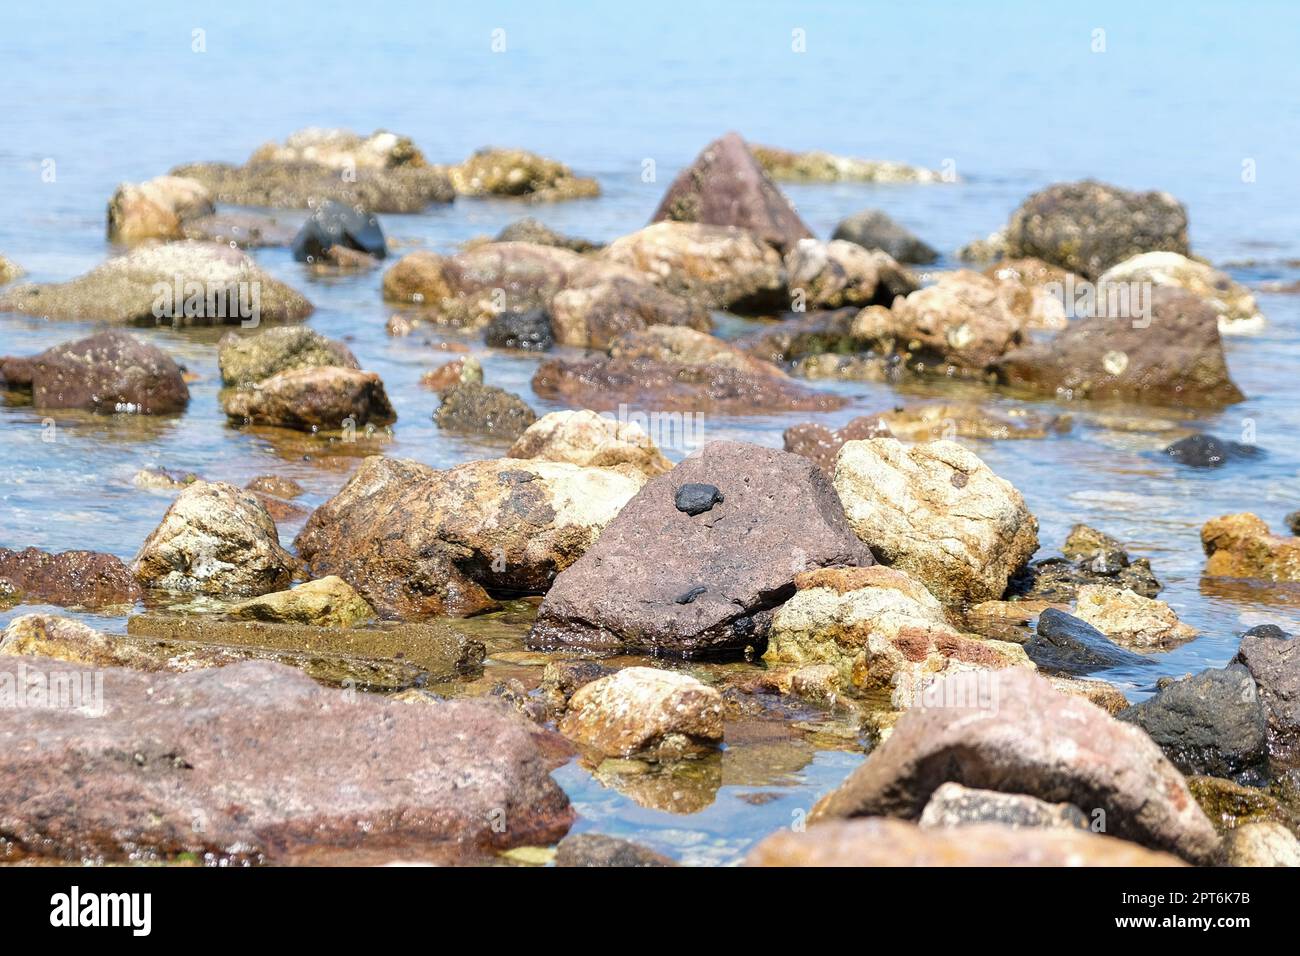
pixel 69 578
pixel 256 763
pixel 106 372
pixel 1131 620
pixel 1067 644
pixel 1212 723
pixel 324 398
pixel 528 331
pixel 333 225
pixel 595 849
pixel 644 712
pixel 246 360
pixel 484 409
pixel 1206 451
pixel 1013 732
pixel 329 601
pixel 623 593
pixel 873 229
pixel 1241 546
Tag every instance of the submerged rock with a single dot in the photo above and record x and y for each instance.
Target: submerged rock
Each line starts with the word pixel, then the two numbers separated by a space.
pixel 1174 359
pixel 1131 620
pixel 328 601
pixel 324 398
pixel 1212 723
pixel 179 283
pixel 645 712
pixel 517 172
pixel 883 842
pixel 873 229
pixel 245 360
pixel 881 630
pixel 418 542
pixel 156 209
pixel 953 805
pixel 638 587
pixel 1011 731
pixel 726 186
pixel 937 512
pixel 1206 451
pixel 1063 642
pixel 256 762
pixel 595 849
pixel 527 331
pixel 1089 226
pixel 1234 303
pixel 816 166
pixel 484 410
pixel 69 578
pixel 1241 546
pixel 675 387
pixel 106 372
pixel 333 225
pixel 1090 557
pixel 967 420
pixel 719 267
pixel 591 440
pixel 215 539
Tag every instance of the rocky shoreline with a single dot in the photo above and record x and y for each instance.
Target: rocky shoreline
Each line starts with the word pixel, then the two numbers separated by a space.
pixel 406 678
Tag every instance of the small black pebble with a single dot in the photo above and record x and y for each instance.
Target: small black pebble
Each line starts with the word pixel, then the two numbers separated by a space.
pixel 695 498
pixel 691 595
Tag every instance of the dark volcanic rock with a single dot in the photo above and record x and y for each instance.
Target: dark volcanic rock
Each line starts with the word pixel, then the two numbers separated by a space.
pixel 69 578
pixel 106 372
pixel 1206 451
pixel 779 516
pixel 1176 360
pixel 1273 659
pixel 1212 723
pixel 485 410
pixel 873 229
pixel 675 386
pixel 334 224
pixel 1065 643
pixel 1088 226
pixel 1013 732
pixel 256 762
pixel 726 186
pixel 819 444
pixel 529 331
pixel 695 498
pixel 595 849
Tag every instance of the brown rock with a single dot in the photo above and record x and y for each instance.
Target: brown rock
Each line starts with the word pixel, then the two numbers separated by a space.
pixel 594 313
pixel 663 580
pixel 255 762
pixel 1175 360
pixel 591 440
pixel 156 209
pixel 726 186
pixel 473 408
pixel 1011 731
pixel 311 399
pixel 106 372
pixel 595 849
pixel 1241 546
pixel 69 578
pixel 883 842
pixel 645 712
pixel 819 444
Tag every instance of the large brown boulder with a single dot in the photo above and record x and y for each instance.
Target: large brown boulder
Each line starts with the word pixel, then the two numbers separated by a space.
pixel 1011 731
pixel 1088 226
pixel 1174 359
pixel 257 763
pixel 418 542
pixel 883 842
pixel 325 398
pixel 106 372
pixel 69 578
pixel 668 581
pixel 726 186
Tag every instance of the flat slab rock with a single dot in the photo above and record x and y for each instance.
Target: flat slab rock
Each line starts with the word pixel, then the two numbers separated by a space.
pixel 664 581
pixel 255 762
pixel 1011 731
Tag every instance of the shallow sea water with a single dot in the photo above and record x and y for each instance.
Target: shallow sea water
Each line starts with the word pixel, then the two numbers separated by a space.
pixel 1016 99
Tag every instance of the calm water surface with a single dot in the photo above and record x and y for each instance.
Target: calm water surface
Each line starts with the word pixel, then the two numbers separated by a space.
pixel 1013 96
